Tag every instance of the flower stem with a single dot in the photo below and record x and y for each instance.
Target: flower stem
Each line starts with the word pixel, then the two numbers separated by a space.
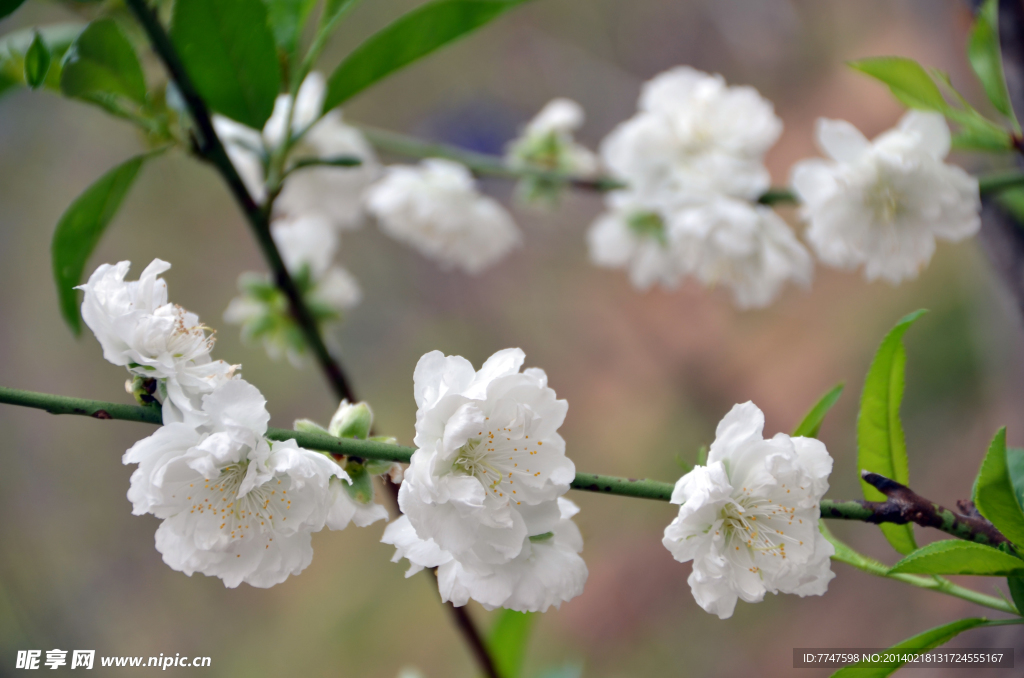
pixel 209 147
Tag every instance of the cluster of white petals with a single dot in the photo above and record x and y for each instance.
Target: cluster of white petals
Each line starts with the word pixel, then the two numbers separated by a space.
pixel 139 329
pixel 749 519
pixel 482 494
pixel 693 161
pixel 436 208
pixel 547 144
pixel 881 204
pixel 330 193
pixel 234 504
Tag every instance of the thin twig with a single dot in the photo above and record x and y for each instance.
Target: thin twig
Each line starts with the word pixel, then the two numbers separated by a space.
pixel 210 148
pixel 906 506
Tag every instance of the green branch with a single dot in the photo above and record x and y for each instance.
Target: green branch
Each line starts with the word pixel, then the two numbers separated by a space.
pixel 210 148
pixel 893 511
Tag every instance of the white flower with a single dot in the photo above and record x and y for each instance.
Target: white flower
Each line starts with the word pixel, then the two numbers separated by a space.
pixel 139 329
pixel 436 208
pixel 883 203
pixel 488 455
pixel 344 509
pixel 306 241
pixel 331 193
pixel 749 519
pixel 746 248
pixel 633 234
pixel 694 135
pixel 234 504
pixel 547 571
pixel 547 141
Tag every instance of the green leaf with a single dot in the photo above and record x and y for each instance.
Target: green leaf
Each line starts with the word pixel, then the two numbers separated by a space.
pixel 361 488
pixel 411 37
pixel 1016 585
pixel 310 426
pixel 101 63
pixel 1012 200
pixel 907 80
pixel 80 228
pixel 880 444
pixel 922 641
pixel 228 49
pixel 974 139
pixel 37 62
pixel 1015 469
pixel 985 57
pixel 287 19
pixel 508 640
pixel 14 47
pixel 994 493
pixel 7 7
pixel 954 556
pixel 811 423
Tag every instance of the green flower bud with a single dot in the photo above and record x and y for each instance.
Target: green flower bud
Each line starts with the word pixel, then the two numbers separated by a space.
pixel 351 421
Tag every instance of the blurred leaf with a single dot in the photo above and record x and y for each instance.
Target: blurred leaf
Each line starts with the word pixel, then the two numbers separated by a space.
pixel 1012 200
pixel 7 7
pixel 880 444
pixel 508 640
pixel 310 426
pixel 811 423
pixel 408 39
pixel 982 140
pixel 37 62
pixel 287 18
pixel 985 57
pixel 228 50
pixel 334 9
pixel 702 456
pixel 1016 585
pixel 361 487
pixel 907 80
pixel 922 641
pixel 14 46
pixel 101 63
pixel 994 493
pixel 955 556
pixel 81 227
pixel 1015 469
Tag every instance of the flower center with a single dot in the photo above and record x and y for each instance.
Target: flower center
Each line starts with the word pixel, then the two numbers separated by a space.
pixel 755 523
pixel 885 202
pixel 244 516
pixel 498 459
pixel 648 225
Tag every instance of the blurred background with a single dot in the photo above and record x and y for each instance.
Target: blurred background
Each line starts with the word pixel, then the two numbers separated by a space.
pixel 647 376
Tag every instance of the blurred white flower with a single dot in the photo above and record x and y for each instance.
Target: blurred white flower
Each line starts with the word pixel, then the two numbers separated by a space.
pixel 436 207
pixel 139 329
pixel 306 241
pixel 330 193
pixel 883 203
pixel 547 144
pixel 749 519
pixel 488 454
pixel 547 571
pixel 633 234
pixel 694 135
pixel 234 504
pixel 746 248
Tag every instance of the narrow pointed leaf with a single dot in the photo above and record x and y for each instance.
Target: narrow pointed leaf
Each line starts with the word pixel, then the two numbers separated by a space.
pixel 101 63
pixel 508 641
pixel 15 46
pixel 228 50
pixel 922 641
pixel 408 39
pixel 986 58
pixel 287 19
pixel 907 80
pixel 1016 586
pixel 811 423
pixel 7 7
pixel 994 493
pixel 80 229
pixel 880 444
pixel 1015 467
pixel 955 556
pixel 37 62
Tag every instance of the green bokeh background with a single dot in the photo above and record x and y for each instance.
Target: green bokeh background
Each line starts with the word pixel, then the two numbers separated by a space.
pixel 647 375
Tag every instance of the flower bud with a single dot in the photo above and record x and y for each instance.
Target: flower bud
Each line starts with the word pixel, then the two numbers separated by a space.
pixel 351 421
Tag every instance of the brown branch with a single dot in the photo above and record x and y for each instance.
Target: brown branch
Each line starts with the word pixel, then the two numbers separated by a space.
pixel 904 506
